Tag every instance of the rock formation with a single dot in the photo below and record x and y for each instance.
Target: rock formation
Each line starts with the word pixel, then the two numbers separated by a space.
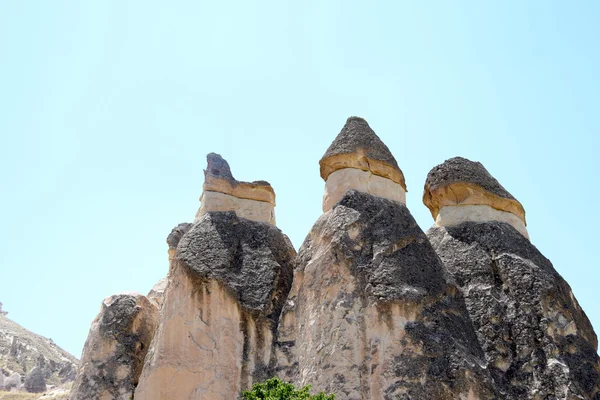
pixel 13 382
pixel 35 382
pixel 358 159
pixel 370 308
pixel 372 313
pixel 222 192
pixel 537 340
pixel 115 349
pixel 461 190
pixel 229 276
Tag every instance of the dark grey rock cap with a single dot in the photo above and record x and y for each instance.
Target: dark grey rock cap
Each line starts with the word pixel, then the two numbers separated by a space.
pixel 459 169
pixel 357 134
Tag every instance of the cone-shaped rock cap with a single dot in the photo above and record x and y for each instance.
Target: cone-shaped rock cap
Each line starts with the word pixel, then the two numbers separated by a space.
pixel 357 146
pixel 218 178
pixel 465 182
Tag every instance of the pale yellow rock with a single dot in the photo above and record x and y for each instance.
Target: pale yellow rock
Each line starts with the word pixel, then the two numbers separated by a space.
pixel 464 193
pixel 243 190
pixel 254 210
pixel 342 180
pixel 359 160
pixel 197 351
pixel 455 215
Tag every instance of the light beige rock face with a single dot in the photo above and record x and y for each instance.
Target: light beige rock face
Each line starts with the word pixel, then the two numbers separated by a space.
pixel 222 192
pixel 157 294
pixel 227 282
pixel 115 349
pixel 342 180
pixel 261 211
pixel 372 313
pixel 456 215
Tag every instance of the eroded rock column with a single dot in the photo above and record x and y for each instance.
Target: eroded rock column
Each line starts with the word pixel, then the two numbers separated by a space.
pixel 537 340
pixel 372 313
pixel 230 274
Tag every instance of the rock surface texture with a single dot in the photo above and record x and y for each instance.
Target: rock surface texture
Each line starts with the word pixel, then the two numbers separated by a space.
pixel 461 190
pixel 115 349
pixel 357 159
pixel 537 340
pixel 222 192
pixel 228 280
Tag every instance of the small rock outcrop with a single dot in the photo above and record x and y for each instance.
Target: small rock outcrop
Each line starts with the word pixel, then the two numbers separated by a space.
pixel 114 352
pixel 228 280
pixel 358 159
pixel 222 192
pixel 35 382
pixel 13 382
pixel 372 313
pixel 537 340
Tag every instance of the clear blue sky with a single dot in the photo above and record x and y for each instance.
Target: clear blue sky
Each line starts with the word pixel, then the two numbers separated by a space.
pixel 108 108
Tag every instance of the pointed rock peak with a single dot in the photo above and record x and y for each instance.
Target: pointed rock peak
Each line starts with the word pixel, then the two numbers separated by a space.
pixel 461 182
pixel 222 192
pixel 357 146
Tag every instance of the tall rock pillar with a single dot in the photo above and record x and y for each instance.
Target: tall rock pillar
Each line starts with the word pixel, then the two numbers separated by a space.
pixel 230 273
pixel 372 313
pixel 537 340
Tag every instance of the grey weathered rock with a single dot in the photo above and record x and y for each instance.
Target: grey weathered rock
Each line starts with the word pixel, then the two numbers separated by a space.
pixel 115 349
pixel 2 378
pixel 537 340
pixel 373 314
pixel 460 170
pixel 35 382
pixel 228 280
pixel 13 382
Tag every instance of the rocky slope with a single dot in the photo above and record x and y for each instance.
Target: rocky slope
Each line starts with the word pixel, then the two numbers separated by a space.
pixel 21 351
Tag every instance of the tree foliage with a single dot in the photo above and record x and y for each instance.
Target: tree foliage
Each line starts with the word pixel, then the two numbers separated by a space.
pixel 276 389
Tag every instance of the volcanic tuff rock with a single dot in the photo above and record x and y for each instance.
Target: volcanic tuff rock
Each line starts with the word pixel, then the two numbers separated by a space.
pixel 358 159
pixel 537 340
pixel 222 192
pixel 372 313
pixel 460 190
pixel 228 280
pixel 22 350
pixel 115 349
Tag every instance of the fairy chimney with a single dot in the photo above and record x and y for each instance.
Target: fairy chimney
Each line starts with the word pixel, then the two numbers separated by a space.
pixel 461 190
pixel 222 192
pixel 357 159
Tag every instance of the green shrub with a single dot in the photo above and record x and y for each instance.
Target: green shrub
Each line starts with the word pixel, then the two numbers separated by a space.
pixel 276 389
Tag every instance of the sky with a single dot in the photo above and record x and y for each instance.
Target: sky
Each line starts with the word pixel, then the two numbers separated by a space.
pixel 108 109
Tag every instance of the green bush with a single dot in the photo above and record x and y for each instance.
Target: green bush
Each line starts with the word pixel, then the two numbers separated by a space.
pixel 276 389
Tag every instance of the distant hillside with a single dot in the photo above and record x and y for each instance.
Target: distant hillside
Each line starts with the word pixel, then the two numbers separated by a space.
pixel 22 350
